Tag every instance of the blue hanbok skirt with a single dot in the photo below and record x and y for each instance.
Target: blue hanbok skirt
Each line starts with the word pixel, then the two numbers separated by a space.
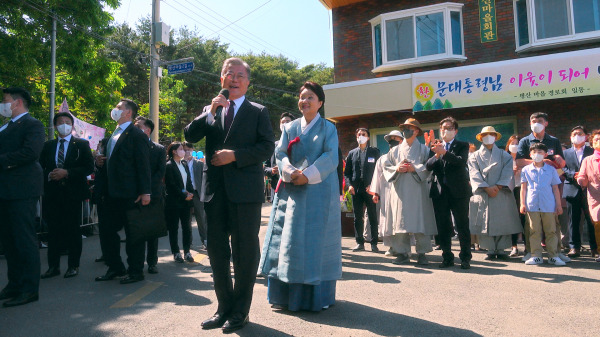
pixel 298 296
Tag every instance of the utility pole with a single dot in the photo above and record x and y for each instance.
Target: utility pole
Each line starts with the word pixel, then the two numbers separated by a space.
pixel 52 78
pixel 154 68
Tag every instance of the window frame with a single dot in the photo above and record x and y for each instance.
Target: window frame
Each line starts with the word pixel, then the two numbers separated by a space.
pixel 558 41
pixel 445 8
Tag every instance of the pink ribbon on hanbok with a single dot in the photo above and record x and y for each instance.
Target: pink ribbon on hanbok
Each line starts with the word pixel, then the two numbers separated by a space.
pixel 289 153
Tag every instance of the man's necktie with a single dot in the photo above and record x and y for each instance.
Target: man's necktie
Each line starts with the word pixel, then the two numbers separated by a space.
pixel 60 161
pixel 229 116
pixel 447 146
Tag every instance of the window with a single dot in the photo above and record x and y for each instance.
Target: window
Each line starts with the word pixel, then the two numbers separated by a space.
pixel 548 23
pixel 421 36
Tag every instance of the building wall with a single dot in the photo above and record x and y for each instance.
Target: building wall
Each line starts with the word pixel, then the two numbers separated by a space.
pixel 353 50
pixel 564 114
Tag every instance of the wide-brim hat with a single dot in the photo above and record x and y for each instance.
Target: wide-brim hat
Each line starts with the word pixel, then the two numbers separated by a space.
pixel 412 122
pixel 488 129
pixel 393 133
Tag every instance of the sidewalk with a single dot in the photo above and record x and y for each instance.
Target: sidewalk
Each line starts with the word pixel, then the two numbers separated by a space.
pixel 374 298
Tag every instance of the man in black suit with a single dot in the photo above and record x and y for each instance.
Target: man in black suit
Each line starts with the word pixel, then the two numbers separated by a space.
pixel 158 161
pixel 360 165
pixel 573 193
pixel 67 161
pixel 271 169
pixel 21 184
pixel 450 191
pixel 238 140
pixel 196 168
pixel 127 167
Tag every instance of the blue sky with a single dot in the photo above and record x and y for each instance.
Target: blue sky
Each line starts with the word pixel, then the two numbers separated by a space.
pixel 300 30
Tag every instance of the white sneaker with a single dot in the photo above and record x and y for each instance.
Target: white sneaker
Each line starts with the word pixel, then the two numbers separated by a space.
pixel 556 261
pixel 526 257
pixel 563 257
pixel 535 260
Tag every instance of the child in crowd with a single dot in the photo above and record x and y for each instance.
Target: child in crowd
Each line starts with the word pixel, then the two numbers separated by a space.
pixel 540 201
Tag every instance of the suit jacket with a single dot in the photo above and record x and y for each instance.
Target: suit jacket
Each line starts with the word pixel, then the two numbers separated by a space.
pixel 175 188
pixel 250 137
pixel 21 143
pixel 353 166
pixel 128 168
pixel 78 162
pixel 272 162
pixel 158 162
pixel 453 167
pixel 571 189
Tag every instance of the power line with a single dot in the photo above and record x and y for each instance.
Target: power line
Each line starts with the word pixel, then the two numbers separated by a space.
pixel 232 23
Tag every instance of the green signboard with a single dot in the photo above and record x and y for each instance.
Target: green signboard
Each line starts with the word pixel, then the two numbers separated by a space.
pixel 487 20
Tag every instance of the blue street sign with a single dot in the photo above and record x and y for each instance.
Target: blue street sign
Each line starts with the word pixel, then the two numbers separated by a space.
pixel 180 68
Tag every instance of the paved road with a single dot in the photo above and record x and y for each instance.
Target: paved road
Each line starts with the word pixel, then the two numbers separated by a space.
pixel 375 297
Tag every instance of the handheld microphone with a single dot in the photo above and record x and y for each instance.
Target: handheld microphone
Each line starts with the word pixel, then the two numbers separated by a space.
pixel 225 93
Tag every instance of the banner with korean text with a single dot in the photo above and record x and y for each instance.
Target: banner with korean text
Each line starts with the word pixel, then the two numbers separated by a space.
pixel 571 74
pixel 81 129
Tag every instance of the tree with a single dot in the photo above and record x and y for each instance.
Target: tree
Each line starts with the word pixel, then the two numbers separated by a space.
pixel 83 74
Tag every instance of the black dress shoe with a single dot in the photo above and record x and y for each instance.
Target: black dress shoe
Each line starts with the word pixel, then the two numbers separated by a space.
pixel 235 322
pixel 111 275
pixel 152 269
pixel 21 299
pixel 100 259
pixel 216 321
pixel 446 264
pixel 132 279
pixel 51 272
pixel 465 265
pixel 72 272
pixel 6 294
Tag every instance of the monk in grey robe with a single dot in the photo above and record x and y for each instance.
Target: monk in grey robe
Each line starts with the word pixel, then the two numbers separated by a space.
pixel 493 214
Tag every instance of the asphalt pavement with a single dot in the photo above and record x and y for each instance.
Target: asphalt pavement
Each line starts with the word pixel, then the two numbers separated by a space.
pixel 374 298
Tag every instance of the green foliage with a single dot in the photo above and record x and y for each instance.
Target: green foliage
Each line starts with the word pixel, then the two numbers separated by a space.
pixel 83 75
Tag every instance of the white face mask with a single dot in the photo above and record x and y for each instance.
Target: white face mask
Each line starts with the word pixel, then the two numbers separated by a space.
pixel 362 140
pixel 448 135
pixel 538 157
pixel 537 127
pixel 5 110
pixel 115 114
pixel 577 139
pixel 513 148
pixel 180 153
pixel 489 139
pixel 64 129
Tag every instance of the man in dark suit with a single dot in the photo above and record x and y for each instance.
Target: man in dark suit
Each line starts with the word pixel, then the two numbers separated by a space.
pixel 450 191
pixel 21 184
pixel 196 168
pixel 238 140
pixel 360 165
pixel 127 166
pixel 158 161
pixel 67 161
pixel 271 169
pixel 573 193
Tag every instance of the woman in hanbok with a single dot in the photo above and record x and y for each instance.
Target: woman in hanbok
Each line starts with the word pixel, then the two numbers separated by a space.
pixel 410 210
pixel 302 253
pixel 493 214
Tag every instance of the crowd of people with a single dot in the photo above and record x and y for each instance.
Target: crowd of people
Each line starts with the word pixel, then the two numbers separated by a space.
pixel 487 197
pixel 423 189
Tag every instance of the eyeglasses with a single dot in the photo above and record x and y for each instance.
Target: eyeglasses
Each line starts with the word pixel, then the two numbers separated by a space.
pixel 233 76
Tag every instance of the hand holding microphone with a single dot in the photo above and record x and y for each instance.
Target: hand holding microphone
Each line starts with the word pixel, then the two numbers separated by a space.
pixel 217 104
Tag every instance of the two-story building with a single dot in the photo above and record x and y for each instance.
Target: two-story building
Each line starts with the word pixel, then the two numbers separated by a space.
pixel 484 62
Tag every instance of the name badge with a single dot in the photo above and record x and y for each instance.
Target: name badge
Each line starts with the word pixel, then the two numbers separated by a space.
pixel 371 160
